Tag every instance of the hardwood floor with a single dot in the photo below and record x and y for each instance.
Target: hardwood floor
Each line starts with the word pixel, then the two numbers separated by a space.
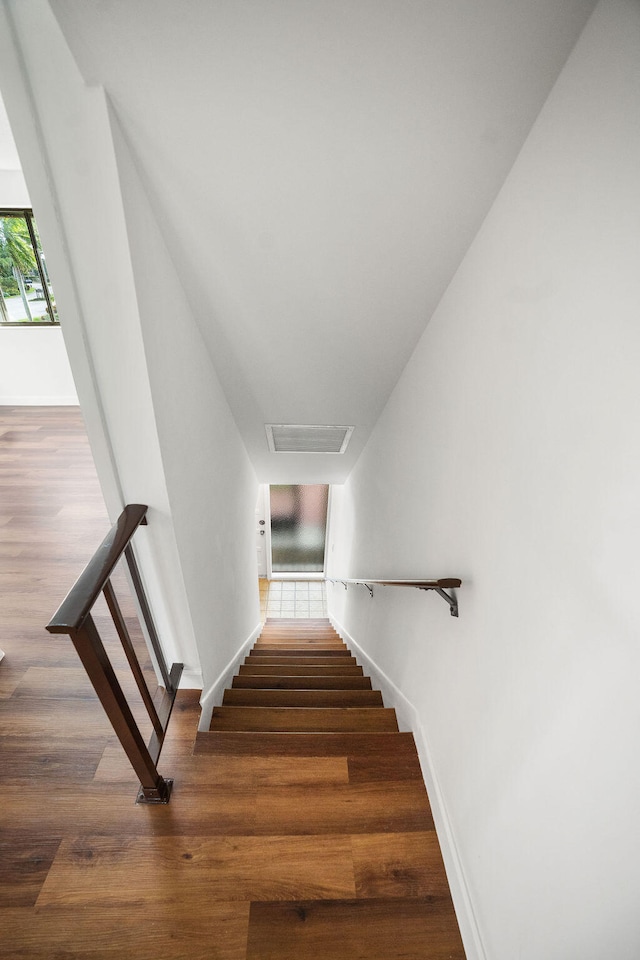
pixel 282 841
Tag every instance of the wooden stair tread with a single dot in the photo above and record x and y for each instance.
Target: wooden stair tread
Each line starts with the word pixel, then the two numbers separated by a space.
pixel 303 652
pixel 302 698
pixel 320 719
pixel 304 640
pixel 302 682
pixel 283 633
pixel 310 623
pixel 310 645
pixel 295 661
pixel 273 670
pixel 302 636
pixel 307 623
pixel 275 639
pixel 290 636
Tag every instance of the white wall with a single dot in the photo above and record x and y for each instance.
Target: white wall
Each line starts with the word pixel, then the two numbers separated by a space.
pixel 509 455
pixel 34 367
pixel 63 134
pixel 211 484
pixel 160 427
pixel 13 189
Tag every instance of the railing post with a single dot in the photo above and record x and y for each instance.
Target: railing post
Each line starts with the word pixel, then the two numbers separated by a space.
pixel 136 579
pixel 86 640
pixel 134 663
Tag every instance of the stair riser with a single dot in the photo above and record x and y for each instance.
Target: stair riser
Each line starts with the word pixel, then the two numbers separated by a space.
pixel 274 671
pixel 302 698
pixel 302 683
pixel 367 746
pixel 293 638
pixel 305 647
pixel 309 719
pixel 301 661
pixel 259 652
pixel 288 627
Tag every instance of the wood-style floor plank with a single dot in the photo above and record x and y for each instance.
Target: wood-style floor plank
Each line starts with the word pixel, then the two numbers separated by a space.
pixel 26 760
pixel 140 930
pixel 374 807
pixel 56 718
pixel 231 772
pixel 24 866
pixel 59 683
pixel 399 865
pixel 110 811
pixel 196 870
pixel 404 765
pixel 414 929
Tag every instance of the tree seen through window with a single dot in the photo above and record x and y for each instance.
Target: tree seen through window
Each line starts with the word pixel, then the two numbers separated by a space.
pixel 26 295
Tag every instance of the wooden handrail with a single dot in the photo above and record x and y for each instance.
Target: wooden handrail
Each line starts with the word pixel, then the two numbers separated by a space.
pixel 439 586
pixel 73 617
pixel 77 605
pixel 420 584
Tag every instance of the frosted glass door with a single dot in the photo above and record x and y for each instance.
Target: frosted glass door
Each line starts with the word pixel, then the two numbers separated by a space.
pixel 298 527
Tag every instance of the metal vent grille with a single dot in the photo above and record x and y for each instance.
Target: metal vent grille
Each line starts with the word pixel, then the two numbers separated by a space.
pixel 307 438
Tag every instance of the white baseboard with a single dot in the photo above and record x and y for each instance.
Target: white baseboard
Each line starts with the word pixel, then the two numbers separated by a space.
pixel 408 719
pixel 39 401
pixel 217 688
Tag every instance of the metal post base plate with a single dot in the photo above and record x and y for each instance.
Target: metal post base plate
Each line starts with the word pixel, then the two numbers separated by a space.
pixel 160 794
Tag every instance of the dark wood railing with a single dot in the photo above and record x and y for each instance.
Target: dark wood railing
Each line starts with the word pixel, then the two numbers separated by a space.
pixel 73 617
pixel 439 586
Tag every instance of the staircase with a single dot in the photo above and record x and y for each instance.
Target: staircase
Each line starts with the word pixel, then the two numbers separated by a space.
pixel 349 841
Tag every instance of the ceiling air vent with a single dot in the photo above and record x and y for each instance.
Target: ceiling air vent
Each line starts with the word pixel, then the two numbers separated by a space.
pixel 307 438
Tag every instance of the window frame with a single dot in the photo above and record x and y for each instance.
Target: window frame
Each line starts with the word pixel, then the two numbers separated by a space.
pixel 27 214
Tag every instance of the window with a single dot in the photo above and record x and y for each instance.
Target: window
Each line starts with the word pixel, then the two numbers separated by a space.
pixel 298 527
pixel 26 295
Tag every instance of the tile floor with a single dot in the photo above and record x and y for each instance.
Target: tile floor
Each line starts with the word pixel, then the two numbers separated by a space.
pixel 292 598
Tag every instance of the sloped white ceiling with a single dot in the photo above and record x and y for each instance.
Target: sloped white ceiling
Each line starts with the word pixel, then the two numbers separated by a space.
pixel 319 168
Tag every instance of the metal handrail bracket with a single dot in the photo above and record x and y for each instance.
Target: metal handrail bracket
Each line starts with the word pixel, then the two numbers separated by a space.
pixel 438 586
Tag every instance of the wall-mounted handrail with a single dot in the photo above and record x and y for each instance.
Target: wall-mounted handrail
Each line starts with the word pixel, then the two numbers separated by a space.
pixel 439 586
pixel 73 617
